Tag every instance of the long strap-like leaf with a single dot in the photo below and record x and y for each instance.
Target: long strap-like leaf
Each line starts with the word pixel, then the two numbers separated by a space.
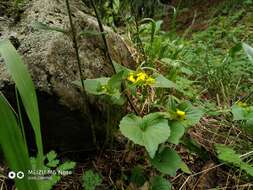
pixel 13 145
pixel 25 88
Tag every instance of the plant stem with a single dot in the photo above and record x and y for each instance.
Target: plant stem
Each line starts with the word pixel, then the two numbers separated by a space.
pixel 108 53
pixel 73 32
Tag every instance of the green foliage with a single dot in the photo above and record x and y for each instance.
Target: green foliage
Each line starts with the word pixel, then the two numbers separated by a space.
pixel 149 131
pixel 162 82
pixel 137 176
pixel 242 113
pixel 13 145
pixel 53 164
pixel 25 88
pixel 159 183
pixel 167 161
pixel 12 140
pixel 216 57
pixel 249 51
pixel 108 87
pixel 177 131
pixel 229 156
pixel 91 180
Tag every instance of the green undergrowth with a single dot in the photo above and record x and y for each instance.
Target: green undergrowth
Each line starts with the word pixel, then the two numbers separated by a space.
pixel 197 81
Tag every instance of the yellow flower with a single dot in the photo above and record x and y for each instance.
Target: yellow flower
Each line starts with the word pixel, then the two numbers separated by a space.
pixel 241 104
pixel 141 77
pixel 150 81
pixel 131 77
pixel 181 114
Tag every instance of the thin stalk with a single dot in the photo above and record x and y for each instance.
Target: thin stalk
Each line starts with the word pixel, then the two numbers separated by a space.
pixel 139 42
pixel 73 33
pixel 101 28
pixel 20 115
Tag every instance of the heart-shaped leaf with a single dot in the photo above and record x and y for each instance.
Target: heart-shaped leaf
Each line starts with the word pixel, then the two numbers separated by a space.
pixel 149 131
pixel 167 162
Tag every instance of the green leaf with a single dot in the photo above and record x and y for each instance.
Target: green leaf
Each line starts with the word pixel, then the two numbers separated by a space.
pixel 25 88
pixel 185 168
pixel 61 170
pixel 149 131
pixel 94 86
pixel 167 162
pixel 193 114
pixel 194 147
pixel 51 155
pixel 159 183
pixel 120 68
pixel 235 49
pixel 110 87
pixel 248 50
pixel 52 161
pixel 67 166
pixel 249 126
pixel 238 113
pixel 242 113
pixel 162 82
pixel 91 180
pixel 116 6
pixel 228 155
pixel 177 131
pixel 137 176
pixel 116 80
pixel 13 145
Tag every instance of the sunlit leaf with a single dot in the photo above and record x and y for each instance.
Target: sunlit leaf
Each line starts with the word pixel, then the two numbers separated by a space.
pixel 149 131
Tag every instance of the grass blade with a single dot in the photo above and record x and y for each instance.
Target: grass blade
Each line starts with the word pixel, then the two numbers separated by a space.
pixel 25 88
pixel 13 146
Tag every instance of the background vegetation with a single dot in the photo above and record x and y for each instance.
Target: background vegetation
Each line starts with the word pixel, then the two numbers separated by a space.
pixel 189 99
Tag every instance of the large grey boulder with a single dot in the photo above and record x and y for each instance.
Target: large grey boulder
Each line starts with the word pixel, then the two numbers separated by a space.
pixel 50 58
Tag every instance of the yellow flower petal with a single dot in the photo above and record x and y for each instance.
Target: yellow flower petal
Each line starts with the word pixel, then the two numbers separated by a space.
pixel 141 76
pixel 180 114
pixel 131 77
